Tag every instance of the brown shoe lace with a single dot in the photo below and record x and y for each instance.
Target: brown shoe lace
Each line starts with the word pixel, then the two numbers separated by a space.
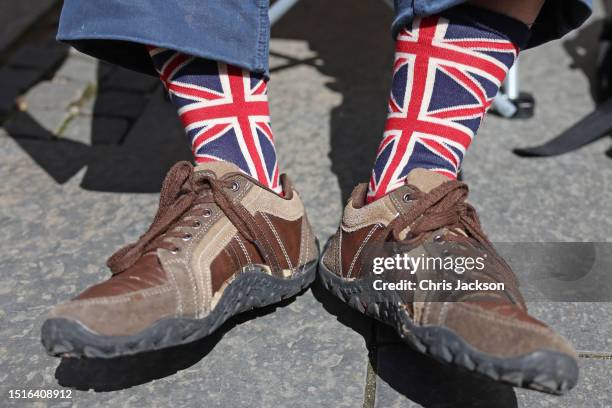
pixel 181 195
pixel 445 206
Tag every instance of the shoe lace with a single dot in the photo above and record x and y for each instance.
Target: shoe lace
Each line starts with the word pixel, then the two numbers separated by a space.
pixel 445 207
pixel 182 195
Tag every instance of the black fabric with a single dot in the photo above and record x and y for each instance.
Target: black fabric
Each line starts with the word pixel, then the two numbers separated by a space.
pixel 505 26
pixel 557 18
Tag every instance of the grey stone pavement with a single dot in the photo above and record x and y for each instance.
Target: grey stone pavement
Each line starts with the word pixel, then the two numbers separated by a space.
pixel 85 146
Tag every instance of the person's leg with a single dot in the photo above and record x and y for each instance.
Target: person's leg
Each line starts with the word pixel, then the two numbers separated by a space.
pixel 221 241
pixel 523 10
pixel 225 42
pixel 224 110
pixel 447 70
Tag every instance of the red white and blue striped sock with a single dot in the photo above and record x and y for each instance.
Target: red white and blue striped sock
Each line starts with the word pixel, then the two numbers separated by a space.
pixel 224 110
pixel 447 71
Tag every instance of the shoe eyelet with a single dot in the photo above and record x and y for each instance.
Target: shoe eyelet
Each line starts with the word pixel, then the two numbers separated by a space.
pixel 438 238
pixel 175 250
pixel 445 253
pixel 207 212
pixel 406 198
pixel 187 237
pixel 235 186
pixel 196 224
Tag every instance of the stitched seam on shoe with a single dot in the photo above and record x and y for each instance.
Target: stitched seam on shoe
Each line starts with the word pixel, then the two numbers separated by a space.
pixel 255 197
pixel 280 243
pixel 291 209
pixel 444 311
pixel 391 207
pixel 179 304
pixel 339 259
pixel 241 194
pixel 207 283
pixel 426 312
pixel 303 233
pixel 398 205
pixel 235 253
pixel 194 277
pixel 365 241
pixel 272 253
pixel 301 251
pixel 232 257
pixel 307 246
pixel 246 254
pixel 122 298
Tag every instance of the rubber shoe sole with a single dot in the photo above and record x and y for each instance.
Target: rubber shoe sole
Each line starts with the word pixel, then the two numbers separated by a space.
pixel 249 290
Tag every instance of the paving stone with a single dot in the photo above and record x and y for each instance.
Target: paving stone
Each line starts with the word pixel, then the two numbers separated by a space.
pixel 109 131
pixel 7 103
pixel 39 57
pixel 18 16
pixel 23 125
pixel 119 104
pixel 105 69
pixel 126 80
pixel 78 70
pixel 60 159
pixel 13 82
pixel 74 53
pixel 49 95
pixel 97 130
pixel 78 130
pixel 86 107
pixel 52 120
pixel 592 391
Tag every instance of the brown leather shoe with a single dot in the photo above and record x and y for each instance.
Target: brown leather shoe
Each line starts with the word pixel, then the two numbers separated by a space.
pixel 484 331
pixel 220 244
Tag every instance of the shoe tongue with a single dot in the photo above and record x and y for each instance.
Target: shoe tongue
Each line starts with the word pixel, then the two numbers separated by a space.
pixel 219 168
pixel 425 180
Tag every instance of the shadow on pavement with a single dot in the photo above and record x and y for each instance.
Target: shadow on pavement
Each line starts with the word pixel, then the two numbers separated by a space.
pixel 124 372
pixel 583 48
pixel 135 136
pixel 354 43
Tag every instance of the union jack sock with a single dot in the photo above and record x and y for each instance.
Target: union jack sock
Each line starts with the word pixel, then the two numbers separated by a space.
pixel 446 73
pixel 224 110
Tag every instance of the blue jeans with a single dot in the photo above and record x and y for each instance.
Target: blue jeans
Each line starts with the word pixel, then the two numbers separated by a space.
pixel 233 31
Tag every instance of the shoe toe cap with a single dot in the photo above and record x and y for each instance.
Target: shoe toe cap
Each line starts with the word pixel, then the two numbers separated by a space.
pixel 504 331
pixel 120 315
